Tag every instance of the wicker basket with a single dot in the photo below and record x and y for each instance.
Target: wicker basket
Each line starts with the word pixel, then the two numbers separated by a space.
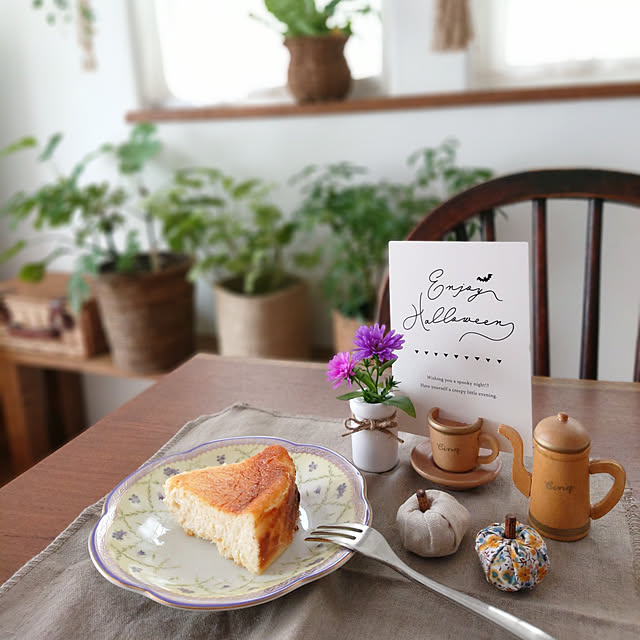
pixel 36 317
pixel 272 325
pixel 318 70
pixel 148 316
pixel 344 330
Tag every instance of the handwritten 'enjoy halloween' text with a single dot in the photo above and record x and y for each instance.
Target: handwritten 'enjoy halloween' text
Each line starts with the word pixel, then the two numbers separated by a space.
pixel 495 330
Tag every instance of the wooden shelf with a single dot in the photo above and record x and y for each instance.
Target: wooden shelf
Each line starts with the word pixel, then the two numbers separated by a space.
pixel 42 400
pixel 103 364
pixel 391 103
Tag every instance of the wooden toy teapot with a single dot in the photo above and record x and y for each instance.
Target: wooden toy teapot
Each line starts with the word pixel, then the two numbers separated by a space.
pixel 560 505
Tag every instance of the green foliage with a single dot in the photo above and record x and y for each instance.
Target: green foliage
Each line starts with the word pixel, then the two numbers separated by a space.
pixel 229 227
pixel 376 387
pixel 63 10
pixel 436 168
pixel 55 10
pixel 66 11
pixel 23 143
pixel 363 217
pixel 306 18
pixel 92 214
pixel 137 151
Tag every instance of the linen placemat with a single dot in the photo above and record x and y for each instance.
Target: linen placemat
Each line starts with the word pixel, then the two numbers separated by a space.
pixel 592 590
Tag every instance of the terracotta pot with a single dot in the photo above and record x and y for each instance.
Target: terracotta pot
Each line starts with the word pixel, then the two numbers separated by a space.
pixel 318 70
pixel 272 325
pixel 344 330
pixel 148 316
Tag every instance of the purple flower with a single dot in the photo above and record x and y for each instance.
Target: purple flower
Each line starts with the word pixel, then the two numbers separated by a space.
pixel 170 471
pixel 118 535
pixel 341 489
pixel 340 368
pixel 371 342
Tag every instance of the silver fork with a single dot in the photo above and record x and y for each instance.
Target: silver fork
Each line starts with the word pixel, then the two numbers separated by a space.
pixel 371 543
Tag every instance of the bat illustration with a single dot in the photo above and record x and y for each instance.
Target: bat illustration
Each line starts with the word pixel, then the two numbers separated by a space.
pixel 485 279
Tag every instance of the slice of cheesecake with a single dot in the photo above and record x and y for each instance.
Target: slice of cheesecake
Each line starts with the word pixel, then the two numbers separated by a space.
pixel 249 508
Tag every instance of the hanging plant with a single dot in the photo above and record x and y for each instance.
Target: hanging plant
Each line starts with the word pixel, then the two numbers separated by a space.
pixel 65 11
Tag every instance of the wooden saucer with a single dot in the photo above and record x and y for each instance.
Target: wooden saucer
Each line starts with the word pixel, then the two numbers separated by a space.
pixel 422 462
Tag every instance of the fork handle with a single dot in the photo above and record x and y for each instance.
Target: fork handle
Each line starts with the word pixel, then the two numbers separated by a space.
pixel 511 623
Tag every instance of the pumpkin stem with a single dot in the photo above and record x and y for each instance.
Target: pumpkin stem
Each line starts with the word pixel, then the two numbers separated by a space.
pixel 510 526
pixel 423 500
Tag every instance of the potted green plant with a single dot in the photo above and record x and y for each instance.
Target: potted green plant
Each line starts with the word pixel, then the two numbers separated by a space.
pixel 315 37
pixel 363 217
pixel 238 238
pixel 145 300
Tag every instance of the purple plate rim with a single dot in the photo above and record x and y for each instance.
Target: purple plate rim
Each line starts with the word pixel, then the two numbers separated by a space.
pixel 159 595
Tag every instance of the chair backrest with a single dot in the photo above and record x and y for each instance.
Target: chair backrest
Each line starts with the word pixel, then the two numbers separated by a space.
pixel 595 186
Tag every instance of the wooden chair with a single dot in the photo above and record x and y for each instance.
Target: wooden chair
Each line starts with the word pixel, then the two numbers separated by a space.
pixel 592 185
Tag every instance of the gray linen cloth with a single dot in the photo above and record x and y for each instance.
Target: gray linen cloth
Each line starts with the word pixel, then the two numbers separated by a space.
pixel 592 590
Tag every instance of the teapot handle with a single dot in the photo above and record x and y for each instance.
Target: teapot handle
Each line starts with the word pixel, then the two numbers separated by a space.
pixel 607 503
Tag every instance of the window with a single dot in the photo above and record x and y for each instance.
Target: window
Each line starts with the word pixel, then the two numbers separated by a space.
pixel 213 51
pixel 552 41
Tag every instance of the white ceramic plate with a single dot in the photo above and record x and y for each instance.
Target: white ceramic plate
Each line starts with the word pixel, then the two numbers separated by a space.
pixel 138 545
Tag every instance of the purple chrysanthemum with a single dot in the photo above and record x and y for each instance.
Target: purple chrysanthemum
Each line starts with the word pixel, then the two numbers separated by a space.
pixel 371 341
pixel 340 368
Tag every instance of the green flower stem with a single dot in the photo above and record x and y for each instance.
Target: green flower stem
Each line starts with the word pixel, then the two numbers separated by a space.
pixel 153 243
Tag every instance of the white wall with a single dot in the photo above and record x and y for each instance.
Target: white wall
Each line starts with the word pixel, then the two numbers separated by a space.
pixel 44 90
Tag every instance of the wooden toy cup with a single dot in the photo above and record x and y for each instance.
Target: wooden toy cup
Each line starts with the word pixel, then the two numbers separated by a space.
pixel 455 446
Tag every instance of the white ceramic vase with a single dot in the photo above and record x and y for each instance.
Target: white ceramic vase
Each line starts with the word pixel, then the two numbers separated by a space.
pixel 373 450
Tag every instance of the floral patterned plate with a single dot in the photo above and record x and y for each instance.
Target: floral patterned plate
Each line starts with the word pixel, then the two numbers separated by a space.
pixel 138 545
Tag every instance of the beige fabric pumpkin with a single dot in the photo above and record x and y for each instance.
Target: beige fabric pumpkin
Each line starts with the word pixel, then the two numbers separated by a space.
pixel 437 531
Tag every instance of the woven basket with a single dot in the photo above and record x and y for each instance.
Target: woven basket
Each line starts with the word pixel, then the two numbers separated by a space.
pixel 344 330
pixel 318 70
pixel 272 325
pixel 148 316
pixel 37 317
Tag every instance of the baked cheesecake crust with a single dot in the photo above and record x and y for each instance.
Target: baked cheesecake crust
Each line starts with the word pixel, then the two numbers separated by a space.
pixel 260 490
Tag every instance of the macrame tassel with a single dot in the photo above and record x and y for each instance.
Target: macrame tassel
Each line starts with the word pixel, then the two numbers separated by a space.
pixel 452 25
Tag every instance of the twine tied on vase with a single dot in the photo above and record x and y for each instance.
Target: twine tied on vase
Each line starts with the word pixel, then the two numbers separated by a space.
pixel 369 424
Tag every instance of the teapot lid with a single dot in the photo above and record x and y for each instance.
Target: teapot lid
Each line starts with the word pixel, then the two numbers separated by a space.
pixel 561 433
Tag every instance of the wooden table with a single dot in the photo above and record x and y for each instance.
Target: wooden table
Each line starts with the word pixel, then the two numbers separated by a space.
pixel 40 503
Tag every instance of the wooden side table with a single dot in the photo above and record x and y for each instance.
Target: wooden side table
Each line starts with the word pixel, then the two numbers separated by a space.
pixel 43 402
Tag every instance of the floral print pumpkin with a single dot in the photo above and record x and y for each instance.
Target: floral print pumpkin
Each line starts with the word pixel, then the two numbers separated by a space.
pixel 513 555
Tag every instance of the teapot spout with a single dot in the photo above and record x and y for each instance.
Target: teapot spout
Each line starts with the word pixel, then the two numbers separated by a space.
pixel 521 477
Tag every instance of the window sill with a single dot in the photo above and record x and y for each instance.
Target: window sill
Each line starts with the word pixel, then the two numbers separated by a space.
pixel 394 103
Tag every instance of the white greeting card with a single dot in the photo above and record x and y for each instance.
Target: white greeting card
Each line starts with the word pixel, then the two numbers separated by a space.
pixel 463 308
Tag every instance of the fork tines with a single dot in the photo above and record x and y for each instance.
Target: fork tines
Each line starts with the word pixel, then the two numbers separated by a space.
pixel 336 532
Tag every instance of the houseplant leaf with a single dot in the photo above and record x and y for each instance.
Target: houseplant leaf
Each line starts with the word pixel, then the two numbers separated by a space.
pixel 403 403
